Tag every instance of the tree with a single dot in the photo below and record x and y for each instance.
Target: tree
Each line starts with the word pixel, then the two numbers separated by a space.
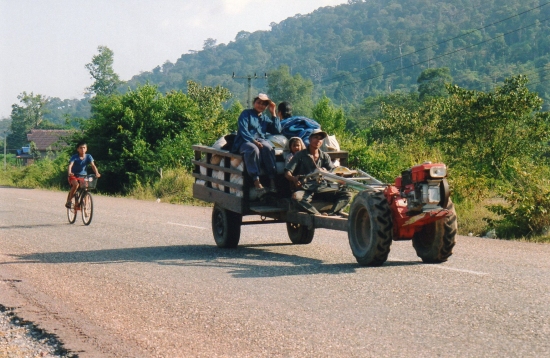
pixel 209 43
pixel 29 115
pixel 101 70
pixel 282 86
pixel 135 134
pixel 370 40
pixel 241 35
pixel 486 130
pixel 370 111
pixel 331 118
pixel 432 81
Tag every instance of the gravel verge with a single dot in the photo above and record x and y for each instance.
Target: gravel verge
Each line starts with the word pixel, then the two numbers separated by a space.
pixel 22 339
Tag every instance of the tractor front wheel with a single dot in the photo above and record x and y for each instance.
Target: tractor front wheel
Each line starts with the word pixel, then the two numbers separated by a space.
pixel 435 242
pixel 370 228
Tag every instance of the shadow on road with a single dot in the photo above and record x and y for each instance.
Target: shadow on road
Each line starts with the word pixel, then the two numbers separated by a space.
pixel 14 187
pixel 33 226
pixel 245 261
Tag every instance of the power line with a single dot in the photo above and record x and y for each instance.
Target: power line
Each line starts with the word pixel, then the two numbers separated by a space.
pixel 533 71
pixel 445 54
pixel 437 44
pixel 442 42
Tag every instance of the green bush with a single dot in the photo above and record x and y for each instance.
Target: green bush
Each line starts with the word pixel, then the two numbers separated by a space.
pixel 43 173
pixel 527 194
pixel 468 185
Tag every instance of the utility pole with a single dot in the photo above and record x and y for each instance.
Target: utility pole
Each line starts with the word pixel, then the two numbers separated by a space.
pixel 250 78
pixel 5 145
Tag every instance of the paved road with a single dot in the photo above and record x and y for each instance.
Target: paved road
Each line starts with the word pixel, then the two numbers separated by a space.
pixel 146 280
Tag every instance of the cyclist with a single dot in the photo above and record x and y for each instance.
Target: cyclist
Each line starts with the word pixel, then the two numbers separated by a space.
pixel 77 169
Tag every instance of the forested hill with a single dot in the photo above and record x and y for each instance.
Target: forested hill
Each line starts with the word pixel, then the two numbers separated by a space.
pixel 370 47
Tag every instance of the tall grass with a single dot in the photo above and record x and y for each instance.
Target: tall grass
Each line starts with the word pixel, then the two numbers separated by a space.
pixel 175 186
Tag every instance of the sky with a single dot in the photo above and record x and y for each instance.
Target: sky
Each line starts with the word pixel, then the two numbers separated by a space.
pixel 45 44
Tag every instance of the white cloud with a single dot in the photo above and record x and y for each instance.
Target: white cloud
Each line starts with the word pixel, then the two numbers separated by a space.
pixel 236 7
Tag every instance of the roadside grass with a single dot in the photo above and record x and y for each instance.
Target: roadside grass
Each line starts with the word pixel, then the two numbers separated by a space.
pixel 175 187
pixel 545 239
pixel 471 216
pixel 6 179
pixel 472 221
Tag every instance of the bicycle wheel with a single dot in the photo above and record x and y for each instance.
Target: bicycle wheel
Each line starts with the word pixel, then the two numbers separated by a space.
pixel 87 208
pixel 71 212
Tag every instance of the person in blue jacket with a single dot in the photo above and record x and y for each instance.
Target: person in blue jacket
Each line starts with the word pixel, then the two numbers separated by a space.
pixel 77 169
pixel 251 142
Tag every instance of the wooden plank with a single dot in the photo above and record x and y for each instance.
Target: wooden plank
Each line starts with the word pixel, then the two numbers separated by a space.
pixel 226 201
pixel 223 153
pixel 218 181
pixel 218 167
pixel 342 154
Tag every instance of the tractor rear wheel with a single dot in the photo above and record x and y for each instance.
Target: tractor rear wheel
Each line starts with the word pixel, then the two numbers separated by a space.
pixel 370 228
pixel 226 227
pixel 435 242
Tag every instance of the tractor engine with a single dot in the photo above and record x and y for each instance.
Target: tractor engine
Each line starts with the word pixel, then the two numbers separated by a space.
pixel 424 187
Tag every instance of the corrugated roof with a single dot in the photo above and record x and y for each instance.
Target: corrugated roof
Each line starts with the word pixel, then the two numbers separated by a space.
pixel 48 138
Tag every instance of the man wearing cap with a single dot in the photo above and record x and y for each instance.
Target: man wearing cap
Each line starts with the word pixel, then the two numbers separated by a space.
pixel 306 162
pixel 251 141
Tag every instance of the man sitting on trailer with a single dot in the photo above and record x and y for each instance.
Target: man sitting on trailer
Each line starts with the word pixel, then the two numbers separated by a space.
pixel 306 162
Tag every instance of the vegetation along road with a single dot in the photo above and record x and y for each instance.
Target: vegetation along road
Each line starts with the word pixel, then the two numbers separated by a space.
pixel 146 280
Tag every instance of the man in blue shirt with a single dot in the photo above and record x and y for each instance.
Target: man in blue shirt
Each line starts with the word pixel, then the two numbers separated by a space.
pixel 251 140
pixel 77 169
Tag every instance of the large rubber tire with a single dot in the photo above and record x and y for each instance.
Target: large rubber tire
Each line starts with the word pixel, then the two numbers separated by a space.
pixel 226 227
pixel 72 212
pixel 87 208
pixel 434 244
pixel 370 228
pixel 299 234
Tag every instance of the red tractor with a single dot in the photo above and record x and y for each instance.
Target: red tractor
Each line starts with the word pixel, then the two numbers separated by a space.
pixel 416 207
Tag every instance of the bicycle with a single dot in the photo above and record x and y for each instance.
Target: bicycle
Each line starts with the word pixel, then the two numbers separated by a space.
pixel 82 200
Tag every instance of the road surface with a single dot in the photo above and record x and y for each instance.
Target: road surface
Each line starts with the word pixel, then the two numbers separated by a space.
pixel 146 280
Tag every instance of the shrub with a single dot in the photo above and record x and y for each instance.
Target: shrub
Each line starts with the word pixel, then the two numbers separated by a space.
pixel 175 186
pixel 528 197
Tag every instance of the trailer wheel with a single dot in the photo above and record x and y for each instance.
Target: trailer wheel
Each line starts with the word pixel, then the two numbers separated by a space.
pixel 299 234
pixel 226 227
pixel 370 228
pixel 434 244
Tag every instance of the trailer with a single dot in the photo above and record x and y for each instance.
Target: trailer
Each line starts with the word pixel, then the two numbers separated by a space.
pixel 416 208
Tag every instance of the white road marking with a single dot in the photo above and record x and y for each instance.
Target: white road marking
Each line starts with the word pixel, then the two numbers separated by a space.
pixel 196 227
pixel 24 199
pixel 460 270
pixel 449 268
